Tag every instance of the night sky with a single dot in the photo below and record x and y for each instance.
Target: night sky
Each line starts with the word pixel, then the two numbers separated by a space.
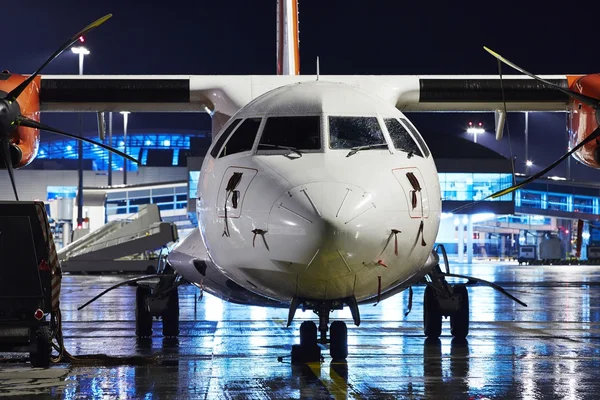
pixel 350 37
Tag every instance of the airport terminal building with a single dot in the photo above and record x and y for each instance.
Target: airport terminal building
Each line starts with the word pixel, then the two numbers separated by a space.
pixel 471 229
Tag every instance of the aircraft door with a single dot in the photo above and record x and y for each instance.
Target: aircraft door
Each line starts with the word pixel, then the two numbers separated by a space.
pixel 232 191
pixel 414 189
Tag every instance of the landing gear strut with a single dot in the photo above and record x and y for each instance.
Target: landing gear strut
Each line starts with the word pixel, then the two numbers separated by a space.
pixel 309 350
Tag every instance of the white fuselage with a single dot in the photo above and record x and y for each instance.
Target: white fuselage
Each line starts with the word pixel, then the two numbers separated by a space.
pixel 322 224
pixel 328 220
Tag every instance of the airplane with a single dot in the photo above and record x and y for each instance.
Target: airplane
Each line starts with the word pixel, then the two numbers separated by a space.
pixel 316 193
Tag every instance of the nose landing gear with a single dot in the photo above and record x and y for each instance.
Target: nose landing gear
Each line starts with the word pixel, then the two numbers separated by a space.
pixel 309 349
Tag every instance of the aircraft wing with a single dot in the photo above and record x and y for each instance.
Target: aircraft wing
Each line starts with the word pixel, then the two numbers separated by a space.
pixel 228 93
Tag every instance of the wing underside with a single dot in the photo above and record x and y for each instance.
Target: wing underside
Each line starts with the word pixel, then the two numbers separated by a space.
pixel 228 93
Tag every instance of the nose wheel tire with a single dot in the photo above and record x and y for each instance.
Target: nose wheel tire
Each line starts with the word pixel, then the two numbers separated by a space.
pixel 338 336
pixel 459 321
pixel 308 350
pixel 432 315
pixel 308 334
pixel 143 318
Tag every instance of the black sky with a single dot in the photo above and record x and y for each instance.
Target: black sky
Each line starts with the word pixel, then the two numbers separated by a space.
pixel 350 37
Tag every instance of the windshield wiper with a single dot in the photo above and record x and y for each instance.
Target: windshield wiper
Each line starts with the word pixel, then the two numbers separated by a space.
pixel 356 149
pixel 276 146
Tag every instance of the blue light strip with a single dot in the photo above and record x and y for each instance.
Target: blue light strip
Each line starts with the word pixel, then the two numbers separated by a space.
pixel 136 143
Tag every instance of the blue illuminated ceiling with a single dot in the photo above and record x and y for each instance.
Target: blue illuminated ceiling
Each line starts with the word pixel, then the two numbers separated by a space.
pixel 137 146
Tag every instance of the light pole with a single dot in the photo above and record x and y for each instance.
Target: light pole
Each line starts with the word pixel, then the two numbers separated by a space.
pixel 81 51
pixel 475 130
pixel 110 124
pixel 527 161
pixel 125 120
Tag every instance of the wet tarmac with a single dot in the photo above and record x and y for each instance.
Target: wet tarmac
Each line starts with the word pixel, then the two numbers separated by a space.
pixel 549 350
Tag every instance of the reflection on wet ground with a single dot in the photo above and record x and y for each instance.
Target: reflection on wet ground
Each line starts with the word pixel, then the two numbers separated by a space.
pixel 551 349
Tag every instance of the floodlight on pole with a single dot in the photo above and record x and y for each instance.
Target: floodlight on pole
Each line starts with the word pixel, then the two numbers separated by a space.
pixel 81 51
pixel 475 130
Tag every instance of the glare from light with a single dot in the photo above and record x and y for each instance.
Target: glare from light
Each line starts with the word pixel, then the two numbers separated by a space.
pixel 483 217
pixel 456 221
pixel 465 220
pixel 475 130
pixel 69 148
pixel 557 178
pixel 80 50
pixel 585 235
pixel 125 112
pixel 148 143
pixel 121 143
pixel 446 215
pixel 529 163
pixel 42 152
pixel 166 143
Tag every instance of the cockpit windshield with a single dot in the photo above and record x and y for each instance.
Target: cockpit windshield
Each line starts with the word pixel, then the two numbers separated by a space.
pixel 353 132
pixel 301 132
pixel 401 138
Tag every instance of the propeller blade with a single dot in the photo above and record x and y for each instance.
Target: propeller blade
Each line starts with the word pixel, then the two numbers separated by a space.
pixel 9 167
pixel 23 121
pixel 16 92
pixel 581 97
pixel 532 178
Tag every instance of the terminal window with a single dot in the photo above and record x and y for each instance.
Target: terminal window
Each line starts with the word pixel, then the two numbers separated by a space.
pixel 474 186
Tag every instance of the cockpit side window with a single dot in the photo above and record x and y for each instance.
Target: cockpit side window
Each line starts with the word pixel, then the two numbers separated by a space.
pixel 401 138
pixel 416 135
pixel 217 148
pixel 349 132
pixel 243 137
pixel 301 132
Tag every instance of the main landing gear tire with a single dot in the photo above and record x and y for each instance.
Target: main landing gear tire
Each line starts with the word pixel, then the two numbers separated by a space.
pixel 459 321
pixel 143 318
pixel 432 315
pixel 338 336
pixel 170 316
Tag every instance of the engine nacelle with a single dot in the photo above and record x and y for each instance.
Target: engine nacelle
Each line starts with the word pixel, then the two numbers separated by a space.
pixel 583 119
pixel 25 142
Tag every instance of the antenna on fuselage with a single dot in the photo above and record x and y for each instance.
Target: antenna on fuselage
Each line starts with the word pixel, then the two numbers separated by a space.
pixel 317 67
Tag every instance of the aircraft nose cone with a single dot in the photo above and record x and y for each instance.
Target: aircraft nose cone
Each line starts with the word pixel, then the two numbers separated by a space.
pixel 323 228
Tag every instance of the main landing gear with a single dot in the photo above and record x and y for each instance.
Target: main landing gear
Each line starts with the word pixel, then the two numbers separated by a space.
pixel 161 301
pixel 444 300
pixel 311 338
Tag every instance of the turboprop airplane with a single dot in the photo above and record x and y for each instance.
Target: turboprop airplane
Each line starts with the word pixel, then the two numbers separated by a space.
pixel 316 193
